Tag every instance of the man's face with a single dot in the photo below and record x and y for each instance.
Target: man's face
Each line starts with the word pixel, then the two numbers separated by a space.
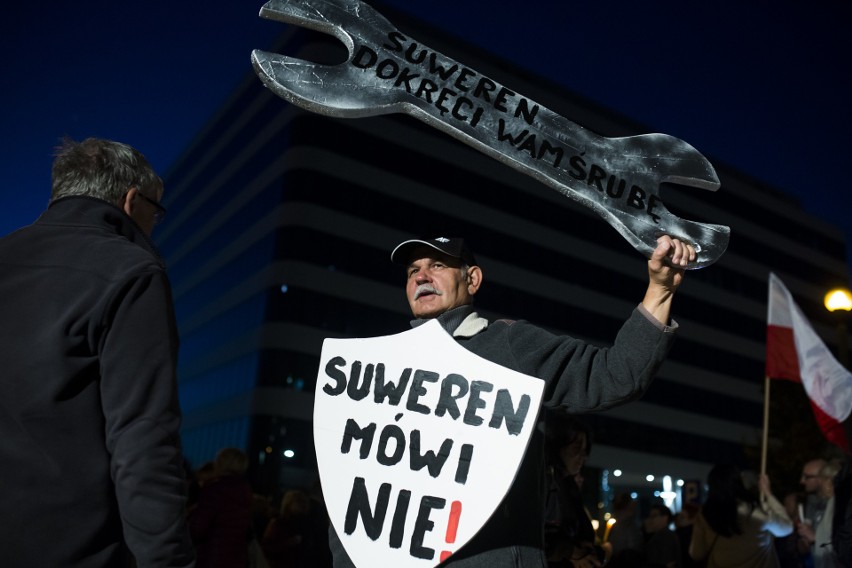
pixel 810 479
pixel 436 283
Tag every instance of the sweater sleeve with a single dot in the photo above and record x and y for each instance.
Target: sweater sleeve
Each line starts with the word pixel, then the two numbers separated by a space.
pixel 138 357
pixel 586 378
pixel 776 520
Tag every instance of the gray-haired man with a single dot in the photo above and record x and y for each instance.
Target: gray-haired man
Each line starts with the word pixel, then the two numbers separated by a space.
pixel 442 279
pixel 89 414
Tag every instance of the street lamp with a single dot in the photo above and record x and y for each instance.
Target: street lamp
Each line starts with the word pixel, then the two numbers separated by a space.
pixel 840 300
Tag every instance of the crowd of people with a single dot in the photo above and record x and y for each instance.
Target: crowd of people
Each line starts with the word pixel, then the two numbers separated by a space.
pixel 233 527
pixel 738 523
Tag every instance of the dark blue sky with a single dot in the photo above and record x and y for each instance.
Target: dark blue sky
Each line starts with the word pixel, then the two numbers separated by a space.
pixel 762 86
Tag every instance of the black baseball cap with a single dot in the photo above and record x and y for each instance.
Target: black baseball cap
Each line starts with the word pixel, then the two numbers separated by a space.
pixel 451 246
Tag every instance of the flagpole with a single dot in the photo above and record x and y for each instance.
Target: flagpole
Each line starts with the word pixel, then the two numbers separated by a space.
pixel 765 424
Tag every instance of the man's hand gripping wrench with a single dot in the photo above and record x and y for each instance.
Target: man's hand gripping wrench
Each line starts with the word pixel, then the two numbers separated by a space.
pixel 388 72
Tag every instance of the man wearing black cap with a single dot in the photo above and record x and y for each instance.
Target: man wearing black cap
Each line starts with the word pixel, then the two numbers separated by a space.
pixel 442 279
pixel 438 285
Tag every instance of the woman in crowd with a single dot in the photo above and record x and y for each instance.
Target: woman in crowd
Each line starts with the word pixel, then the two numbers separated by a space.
pixel 736 527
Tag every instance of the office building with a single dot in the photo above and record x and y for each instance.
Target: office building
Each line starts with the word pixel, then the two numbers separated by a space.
pixel 280 229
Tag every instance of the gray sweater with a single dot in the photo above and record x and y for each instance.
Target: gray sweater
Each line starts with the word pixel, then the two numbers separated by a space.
pixel 580 378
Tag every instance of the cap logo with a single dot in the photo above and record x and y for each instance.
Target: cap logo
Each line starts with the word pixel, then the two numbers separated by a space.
pixel 442 240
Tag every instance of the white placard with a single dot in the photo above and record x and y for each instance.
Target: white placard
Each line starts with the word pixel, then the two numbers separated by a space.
pixel 417 440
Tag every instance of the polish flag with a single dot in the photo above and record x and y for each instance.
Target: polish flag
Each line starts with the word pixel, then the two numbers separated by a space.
pixel 796 353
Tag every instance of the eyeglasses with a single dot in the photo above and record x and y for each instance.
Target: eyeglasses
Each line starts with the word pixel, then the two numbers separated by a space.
pixel 160 213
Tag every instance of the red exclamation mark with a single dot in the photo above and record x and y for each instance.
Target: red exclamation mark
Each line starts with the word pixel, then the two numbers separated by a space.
pixel 452 527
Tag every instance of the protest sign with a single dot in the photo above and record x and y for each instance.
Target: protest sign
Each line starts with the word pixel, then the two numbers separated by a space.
pixel 417 440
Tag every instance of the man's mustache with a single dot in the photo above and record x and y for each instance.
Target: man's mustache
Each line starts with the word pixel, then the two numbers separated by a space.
pixel 426 289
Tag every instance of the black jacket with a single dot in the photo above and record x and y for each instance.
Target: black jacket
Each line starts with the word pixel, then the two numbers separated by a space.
pixel 89 414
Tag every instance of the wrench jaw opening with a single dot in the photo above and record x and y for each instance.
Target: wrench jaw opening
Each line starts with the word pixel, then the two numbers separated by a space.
pixel 710 240
pixel 310 15
pixel 664 158
pixel 340 90
pixel 625 189
pixel 341 14
pixel 649 160
pixel 330 90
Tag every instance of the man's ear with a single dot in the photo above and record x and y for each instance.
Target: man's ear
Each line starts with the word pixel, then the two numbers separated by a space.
pixel 127 204
pixel 474 279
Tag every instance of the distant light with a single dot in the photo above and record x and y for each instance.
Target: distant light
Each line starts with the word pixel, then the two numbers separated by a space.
pixel 634 495
pixel 617 473
pixel 656 493
pixel 649 477
pixel 268 449
pixel 668 495
pixel 595 524
pixel 680 483
pixel 284 288
pixel 289 453
pixel 838 299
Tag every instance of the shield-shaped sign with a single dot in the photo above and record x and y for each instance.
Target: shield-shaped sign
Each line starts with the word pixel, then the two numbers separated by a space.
pixel 417 440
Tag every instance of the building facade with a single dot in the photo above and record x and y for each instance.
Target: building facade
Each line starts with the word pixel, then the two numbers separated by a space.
pixel 280 230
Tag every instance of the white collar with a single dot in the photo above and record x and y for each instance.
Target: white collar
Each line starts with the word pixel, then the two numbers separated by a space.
pixel 470 326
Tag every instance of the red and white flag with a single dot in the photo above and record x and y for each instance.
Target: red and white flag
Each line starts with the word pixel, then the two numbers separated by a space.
pixel 795 352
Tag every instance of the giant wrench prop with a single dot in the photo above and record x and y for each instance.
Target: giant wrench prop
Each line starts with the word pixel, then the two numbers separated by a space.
pixel 389 72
